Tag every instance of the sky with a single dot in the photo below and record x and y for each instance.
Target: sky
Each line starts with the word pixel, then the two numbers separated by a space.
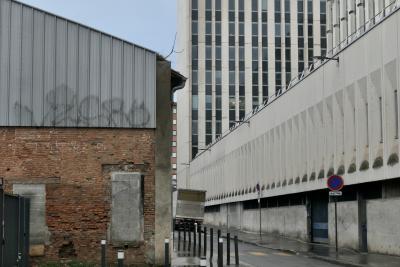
pixel 148 23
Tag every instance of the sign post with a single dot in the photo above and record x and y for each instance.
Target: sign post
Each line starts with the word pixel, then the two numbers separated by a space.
pixel 335 184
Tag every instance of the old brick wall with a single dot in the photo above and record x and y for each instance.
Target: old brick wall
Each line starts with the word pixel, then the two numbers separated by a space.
pixel 75 164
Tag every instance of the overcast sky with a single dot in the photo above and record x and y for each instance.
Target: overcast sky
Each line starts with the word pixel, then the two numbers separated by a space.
pixel 149 23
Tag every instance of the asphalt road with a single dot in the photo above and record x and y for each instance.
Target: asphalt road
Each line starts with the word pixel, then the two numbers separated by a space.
pixel 252 255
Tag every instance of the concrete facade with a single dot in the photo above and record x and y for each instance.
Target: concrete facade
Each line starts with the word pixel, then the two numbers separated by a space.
pixel 347 224
pixel 382 219
pixel 237 54
pixel 286 221
pixel 341 118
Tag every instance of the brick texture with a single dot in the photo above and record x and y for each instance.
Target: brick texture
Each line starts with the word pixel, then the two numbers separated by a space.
pixel 75 164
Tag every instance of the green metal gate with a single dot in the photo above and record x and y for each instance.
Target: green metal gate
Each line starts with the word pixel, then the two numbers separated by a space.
pixel 14 234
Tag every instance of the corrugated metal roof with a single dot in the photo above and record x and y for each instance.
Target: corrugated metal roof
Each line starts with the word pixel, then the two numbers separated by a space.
pixel 55 72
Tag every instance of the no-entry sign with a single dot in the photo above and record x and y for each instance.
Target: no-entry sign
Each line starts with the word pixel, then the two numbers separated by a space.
pixel 335 183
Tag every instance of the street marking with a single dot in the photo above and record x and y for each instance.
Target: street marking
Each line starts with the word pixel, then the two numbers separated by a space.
pixel 282 254
pixel 258 254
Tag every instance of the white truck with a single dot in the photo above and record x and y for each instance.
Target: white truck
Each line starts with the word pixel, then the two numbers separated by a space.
pixel 189 208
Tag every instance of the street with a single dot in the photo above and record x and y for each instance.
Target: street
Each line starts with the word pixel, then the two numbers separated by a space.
pixel 249 255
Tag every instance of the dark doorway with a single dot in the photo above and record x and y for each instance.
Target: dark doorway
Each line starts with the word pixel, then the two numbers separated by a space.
pixel 319 217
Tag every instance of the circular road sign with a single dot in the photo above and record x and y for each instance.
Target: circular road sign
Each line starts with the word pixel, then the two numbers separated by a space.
pixel 335 183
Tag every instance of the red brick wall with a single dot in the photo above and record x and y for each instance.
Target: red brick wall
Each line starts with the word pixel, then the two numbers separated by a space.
pixel 75 165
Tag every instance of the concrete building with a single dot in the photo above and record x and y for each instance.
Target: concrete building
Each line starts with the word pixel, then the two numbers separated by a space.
pixel 237 54
pixel 85 133
pixel 341 117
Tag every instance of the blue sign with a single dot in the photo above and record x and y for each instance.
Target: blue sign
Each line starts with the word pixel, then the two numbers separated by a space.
pixel 335 183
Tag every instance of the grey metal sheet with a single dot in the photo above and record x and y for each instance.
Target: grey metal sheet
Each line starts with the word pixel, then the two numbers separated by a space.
pixel 72 74
pixel 55 72
pixel 105 86
pixel 4 59
pixel 38 71
pixel 27 69
pixel 15 63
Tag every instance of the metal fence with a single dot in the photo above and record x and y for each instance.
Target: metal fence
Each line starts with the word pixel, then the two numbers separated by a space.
pixel 14 232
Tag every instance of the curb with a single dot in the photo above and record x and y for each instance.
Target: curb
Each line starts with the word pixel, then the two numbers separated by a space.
pixel 335 261
pixel 309 255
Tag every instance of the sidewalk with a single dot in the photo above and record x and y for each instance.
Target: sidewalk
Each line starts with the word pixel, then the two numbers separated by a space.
pixel 345 257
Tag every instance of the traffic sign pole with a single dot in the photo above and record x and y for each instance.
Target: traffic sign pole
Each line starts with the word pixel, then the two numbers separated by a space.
pixel 336 232
pixel 335 184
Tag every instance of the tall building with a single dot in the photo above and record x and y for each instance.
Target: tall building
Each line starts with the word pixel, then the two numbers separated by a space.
pixel 173 147
pixel 236 54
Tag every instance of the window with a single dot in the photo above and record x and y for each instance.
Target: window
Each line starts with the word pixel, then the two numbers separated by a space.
pixel 174 166
pixel 173 143
pixel 174 154
pixel 174 110
pixel 174 133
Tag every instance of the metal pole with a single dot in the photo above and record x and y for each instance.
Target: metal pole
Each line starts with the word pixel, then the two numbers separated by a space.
pixel 336 231
pixel 205 241
pixel 259 209
pixel 236 251
pixel 120 258
pixel 179 238
pixel 219 234
pixel 103 253
pixel 184 236
pixel 211 242
pixel 166 249
pixel 199 231
pixel 228 249
pixel 190 239
pixel 220 252
pixel 194 239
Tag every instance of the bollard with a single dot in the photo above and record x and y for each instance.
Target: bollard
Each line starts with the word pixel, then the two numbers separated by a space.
pixel 190 238
pixel 120 258
pixel 166 249
pixel 103 253
pixel 205 241
pixel 199 231
pixel 219 234
pixel 203 261
pixel 211 242
pixel 220 252
pixel 184 233
pixel 228 249
pixel 179 238
pixel 194 239
pixel 236 251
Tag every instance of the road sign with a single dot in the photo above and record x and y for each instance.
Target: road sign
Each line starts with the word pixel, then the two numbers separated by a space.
pixel 335 183
pixel 335 193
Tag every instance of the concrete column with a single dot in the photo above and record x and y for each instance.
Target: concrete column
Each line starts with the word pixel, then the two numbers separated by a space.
pixel 329 25
pixel 336 22
pixel 362 222
pixel 360 13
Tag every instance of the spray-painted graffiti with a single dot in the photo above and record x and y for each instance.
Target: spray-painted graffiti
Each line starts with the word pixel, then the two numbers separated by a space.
pixel 62 108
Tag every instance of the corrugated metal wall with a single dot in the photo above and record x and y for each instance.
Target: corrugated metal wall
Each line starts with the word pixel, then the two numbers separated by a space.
pixel 54 72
